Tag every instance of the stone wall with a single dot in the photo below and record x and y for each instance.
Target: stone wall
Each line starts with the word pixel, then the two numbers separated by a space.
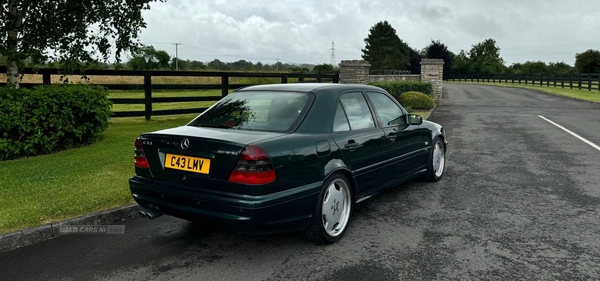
pixel 357 72
pixel 392 78
pixel 354 72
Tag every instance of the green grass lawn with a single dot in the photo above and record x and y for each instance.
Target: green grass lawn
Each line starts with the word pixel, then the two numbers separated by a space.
pixel 74 182
pixel 584 94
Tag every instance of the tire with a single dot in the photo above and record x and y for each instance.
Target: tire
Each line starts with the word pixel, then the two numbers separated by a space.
pixel 437 161
pixel 332 214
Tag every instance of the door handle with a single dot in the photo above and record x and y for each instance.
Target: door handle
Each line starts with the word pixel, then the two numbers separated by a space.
pixel 391 136
pixel 350 145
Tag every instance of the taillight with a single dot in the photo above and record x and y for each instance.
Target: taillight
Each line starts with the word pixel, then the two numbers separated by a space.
pixel 253 167
pixel 140 157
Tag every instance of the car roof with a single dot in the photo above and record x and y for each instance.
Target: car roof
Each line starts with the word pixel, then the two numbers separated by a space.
pixel 307 87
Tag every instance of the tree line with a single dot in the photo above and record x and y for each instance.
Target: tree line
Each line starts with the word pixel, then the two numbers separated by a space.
pixel 385 50
pixel 150 58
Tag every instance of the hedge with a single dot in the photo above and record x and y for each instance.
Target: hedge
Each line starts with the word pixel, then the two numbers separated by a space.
pixel 47 118
pixel 416 100
pixel 397 88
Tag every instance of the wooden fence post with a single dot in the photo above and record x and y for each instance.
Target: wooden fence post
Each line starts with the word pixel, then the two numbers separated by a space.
pixel 336 77
pixel 571 81
pixel 224 85
pixel 590 82
pixel 579 81
pixel 284 79
pixel 46 78
pixel 148 94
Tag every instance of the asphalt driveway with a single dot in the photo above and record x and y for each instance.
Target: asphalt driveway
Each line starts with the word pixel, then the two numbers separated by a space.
pixel 520 200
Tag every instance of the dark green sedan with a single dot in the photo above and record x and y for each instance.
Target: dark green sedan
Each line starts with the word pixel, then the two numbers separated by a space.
pixel 276 158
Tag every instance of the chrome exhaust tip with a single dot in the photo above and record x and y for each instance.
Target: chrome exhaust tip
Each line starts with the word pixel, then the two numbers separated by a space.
pixel 150 213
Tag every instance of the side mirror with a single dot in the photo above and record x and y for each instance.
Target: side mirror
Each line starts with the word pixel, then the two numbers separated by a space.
pixel 415 119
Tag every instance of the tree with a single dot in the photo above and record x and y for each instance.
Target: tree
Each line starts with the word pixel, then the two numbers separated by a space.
pixel 561 68
pixel 534 67
pixel 68 31
pixel 438 50
pixel 384 49
pixel 485 58
pixel 322 68
pixel 515 68
pixel 588 61
pixel 415 61
pixel 461 63
pixel 217 65
pixel 148 58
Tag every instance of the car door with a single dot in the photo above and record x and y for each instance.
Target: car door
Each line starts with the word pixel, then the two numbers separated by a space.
pixel 363 144
pixel 404 140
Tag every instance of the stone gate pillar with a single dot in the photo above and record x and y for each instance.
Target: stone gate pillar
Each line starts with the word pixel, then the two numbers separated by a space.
pixel 432 71
pixel 354 72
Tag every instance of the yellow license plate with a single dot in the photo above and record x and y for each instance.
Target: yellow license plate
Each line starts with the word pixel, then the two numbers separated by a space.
pixel 187 163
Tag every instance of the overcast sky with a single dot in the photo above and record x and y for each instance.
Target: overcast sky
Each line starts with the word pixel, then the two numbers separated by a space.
pixel 302 31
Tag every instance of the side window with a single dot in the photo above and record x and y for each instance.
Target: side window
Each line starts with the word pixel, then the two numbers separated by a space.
pixel 386 109
pixel 340 122
pixel 357 111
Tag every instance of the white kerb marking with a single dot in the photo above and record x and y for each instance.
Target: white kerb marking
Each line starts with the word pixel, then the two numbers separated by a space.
pixel 573 134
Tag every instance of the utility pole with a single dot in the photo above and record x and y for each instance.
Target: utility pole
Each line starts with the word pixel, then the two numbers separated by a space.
pixel 176 56
pixel 277 64
pixel 332 60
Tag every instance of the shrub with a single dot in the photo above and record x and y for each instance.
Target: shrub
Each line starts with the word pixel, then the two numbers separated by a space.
pixel 397 88
pixel 46 118
pixel 416 100
pixel 408 109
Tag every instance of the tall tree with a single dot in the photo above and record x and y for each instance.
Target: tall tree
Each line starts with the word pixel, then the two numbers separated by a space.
pixel 438 50
pixel 461 63
pixel 384 49
pixel 147 58
pixel 415 61
pixel 68 31
pixel 485 58
pixel 588 61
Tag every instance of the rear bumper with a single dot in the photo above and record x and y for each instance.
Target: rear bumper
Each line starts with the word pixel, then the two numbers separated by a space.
pixel 283 211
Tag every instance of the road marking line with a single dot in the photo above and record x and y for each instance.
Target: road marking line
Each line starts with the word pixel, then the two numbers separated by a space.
pixel 573 134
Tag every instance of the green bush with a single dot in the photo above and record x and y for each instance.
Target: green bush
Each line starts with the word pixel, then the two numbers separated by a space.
pixel 416 100
pixel 47 118
pixel 397 88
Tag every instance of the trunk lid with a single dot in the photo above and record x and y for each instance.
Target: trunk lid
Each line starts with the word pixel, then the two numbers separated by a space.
pixel 196 156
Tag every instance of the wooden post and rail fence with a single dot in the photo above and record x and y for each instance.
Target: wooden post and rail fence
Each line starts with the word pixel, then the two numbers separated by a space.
pixel 148 86
pixel 582 81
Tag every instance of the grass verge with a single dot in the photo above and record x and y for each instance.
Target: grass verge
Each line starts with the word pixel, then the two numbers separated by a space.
pixel 421 113
pixel 70 183
pixel 593 96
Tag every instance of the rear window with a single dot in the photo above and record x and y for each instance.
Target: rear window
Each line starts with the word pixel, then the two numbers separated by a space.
pixel 257 111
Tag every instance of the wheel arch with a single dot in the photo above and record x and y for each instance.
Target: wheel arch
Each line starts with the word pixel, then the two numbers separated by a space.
pixel 348 174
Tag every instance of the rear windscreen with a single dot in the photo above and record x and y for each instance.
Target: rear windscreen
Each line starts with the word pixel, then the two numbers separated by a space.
pixel 257 111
